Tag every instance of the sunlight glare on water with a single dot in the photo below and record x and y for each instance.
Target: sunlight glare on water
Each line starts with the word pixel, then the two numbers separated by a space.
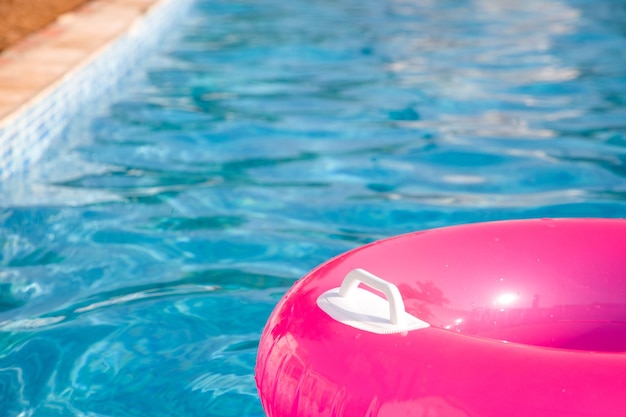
pixel 142 257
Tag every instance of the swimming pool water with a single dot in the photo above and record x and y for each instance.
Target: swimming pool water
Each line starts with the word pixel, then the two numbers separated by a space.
pixel 142 257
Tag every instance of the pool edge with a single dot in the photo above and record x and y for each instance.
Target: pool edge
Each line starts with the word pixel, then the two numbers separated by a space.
pixel 48 91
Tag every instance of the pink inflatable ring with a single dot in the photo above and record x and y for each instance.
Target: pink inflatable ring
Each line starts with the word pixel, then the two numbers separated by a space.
pixel 504 319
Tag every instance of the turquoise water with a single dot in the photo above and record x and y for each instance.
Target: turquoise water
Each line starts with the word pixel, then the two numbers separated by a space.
pixel 141 259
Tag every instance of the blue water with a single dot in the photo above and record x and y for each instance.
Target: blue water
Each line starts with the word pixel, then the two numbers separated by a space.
pixel 142 257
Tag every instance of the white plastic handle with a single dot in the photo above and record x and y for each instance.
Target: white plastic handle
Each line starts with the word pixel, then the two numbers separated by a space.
pixel 356 276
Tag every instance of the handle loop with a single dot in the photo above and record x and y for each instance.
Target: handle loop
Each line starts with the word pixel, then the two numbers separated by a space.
pixel 356 276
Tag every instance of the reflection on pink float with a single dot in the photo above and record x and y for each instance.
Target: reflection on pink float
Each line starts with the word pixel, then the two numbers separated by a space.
pixel 513 318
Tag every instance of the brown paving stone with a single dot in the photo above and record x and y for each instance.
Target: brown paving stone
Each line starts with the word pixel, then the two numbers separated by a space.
pixel 21 17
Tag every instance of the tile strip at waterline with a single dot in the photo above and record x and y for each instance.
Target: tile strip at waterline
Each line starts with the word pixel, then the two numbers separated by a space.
pixel 49 77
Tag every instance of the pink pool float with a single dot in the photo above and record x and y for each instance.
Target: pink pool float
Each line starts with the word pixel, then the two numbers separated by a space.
pixel 503 319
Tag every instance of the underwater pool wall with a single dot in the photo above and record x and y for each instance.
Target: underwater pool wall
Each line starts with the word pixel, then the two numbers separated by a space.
pixel 26 132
